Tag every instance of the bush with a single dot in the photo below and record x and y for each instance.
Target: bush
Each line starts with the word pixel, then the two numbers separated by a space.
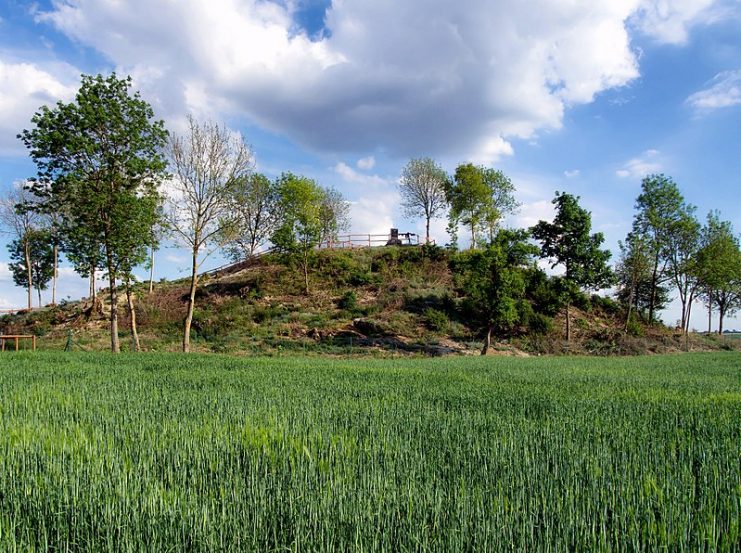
pixel 348 301
pixel 540 324
pixel 634 327
pixel 436 320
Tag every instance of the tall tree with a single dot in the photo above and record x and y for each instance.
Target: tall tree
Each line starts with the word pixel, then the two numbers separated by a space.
pixel 682 245
pixel 99 166
pixel 567 241
pixel 207 164
pixel 33 253
pixel 301 225
pixel 479 197
pixel 659 207
pixel 254 200
pixel 334 214
pixel 718 268
pixel 494 281
pixel 20 219
pixel 422 187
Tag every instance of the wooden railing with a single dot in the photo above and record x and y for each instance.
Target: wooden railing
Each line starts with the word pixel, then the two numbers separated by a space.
pixel 16 339
pixel 350 241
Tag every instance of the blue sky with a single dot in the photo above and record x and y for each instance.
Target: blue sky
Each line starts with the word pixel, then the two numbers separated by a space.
pixel 581 95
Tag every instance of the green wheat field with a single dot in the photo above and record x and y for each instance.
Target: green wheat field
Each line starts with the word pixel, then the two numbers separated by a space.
pixel 158 452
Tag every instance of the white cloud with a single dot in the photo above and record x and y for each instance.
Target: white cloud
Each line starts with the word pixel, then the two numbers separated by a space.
pixel 351 176
pixel 24 87
pixel 532 212
pixel 464 80
pixel 572 173
pixel 366 163
pixel 724 91
pixel 372 215
pixel 669 21
pixel 648 162
pixel 5 274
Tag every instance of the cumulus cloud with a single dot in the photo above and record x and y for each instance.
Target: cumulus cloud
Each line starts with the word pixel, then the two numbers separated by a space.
pixel 572 174
pixel 351 176
pixel 464 79
pixel 24 87
pixel 724 91
pixel 638 167
pixel 669 21
pixel 366 163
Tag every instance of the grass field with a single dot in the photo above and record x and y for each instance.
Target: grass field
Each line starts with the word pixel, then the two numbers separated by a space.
pixel 209 453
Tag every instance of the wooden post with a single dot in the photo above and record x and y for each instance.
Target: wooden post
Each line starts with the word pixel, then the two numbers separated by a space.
pixel 16 343
pixel 33 340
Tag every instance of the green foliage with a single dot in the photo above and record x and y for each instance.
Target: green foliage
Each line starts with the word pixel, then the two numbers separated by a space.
pixel 348 301
pixel 436 320
pixel 494 279
pixel 479 197
pixel 254 208
pixel 41 254
pixel 214 453
pixel 99 166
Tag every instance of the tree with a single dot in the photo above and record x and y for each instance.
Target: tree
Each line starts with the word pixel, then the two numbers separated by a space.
pixel 718 268
pixel 659 206
pixel 422 187
pixel 20 220
pixel 207 164
pixel 99 166
pixel 567 242
pixel 301 226
pixel 254 200
pixel 479 197
pixel 494 281
pixel 34 254
pixel 633 273
pixel 681 248
pixel 334 214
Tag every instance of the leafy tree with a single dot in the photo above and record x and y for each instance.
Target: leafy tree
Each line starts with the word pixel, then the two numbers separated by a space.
pixel 99 166
pixel 567 241
pixel 682 245
pixel 494 281
pixel 633 273
pixel 254 200
pixel 659 207
pixel 207 163
pixel 301 226
pixel 422 187
pixel 20 219
pixel 718 268
pixel 479 197
pixel 32 253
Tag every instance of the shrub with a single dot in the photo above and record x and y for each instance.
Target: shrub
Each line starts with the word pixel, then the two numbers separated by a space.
pixel 436 320
pixel 348 301
pixel 540 323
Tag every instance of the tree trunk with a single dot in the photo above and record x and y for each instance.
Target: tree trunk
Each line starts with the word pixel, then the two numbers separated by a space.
pixel 151 270
pixel 29 270
pixel 710 312
pixel 132 316
pixel 473 236
pixel 721 314
pixel 191 300
pixel 654 283
pixel 38 291
pixel 427 236
pixel 568 322
pixel 306 273
pixel 115 346
pixel 92 285
pixel 487 341
pixel 55 275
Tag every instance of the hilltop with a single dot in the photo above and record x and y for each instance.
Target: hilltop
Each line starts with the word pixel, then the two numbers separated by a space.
pixel 378 301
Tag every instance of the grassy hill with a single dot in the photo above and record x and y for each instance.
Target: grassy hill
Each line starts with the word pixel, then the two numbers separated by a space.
pixel 380 301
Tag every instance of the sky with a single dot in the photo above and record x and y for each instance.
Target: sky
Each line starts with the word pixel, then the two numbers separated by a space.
pixel 581 96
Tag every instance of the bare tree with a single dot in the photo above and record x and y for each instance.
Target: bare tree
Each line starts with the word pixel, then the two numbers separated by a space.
pixel 334 214
pixel 206 163
pixel 422 188
pixel 19 219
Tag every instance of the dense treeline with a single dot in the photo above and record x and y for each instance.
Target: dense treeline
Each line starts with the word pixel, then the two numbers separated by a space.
pixel 112 183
